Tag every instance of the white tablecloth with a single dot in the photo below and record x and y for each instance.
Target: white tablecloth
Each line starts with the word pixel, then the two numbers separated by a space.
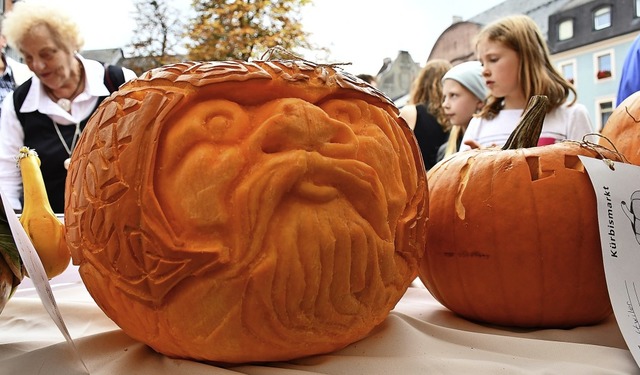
pixel 420 336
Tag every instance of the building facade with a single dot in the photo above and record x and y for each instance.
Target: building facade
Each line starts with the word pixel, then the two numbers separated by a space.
pixel 588 41
pixel 456 42
pixel 396 76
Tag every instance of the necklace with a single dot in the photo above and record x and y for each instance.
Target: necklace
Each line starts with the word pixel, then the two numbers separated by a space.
pixel 74 140
pixel 65 103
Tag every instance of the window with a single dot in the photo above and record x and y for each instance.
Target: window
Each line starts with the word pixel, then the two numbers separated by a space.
pixel 603 64
pixel 637 6
pixel 567 69
pixel 605 108
pixel 565 29
pixel 602 18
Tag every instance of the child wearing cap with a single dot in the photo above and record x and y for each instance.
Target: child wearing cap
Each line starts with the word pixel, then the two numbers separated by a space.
pixel 464 93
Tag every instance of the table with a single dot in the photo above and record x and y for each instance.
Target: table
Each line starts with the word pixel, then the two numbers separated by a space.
pixel 420 336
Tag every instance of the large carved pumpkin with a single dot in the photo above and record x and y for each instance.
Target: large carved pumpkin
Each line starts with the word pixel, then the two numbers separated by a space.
pixel 513 235
pixel 246 211
pixel 623 129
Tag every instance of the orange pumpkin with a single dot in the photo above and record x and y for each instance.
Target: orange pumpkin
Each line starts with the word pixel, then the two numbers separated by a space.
pixel 513 235
pixel 623 129
pixel 246 211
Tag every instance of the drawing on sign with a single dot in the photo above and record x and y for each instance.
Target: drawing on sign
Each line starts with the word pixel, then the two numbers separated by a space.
pixel 629 210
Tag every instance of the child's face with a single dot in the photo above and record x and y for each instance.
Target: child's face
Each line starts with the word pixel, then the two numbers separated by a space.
pixel 501 68
pixel 459 104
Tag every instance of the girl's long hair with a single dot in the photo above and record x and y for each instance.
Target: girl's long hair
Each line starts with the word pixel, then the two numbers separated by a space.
pixel 427 89
pixel 537 75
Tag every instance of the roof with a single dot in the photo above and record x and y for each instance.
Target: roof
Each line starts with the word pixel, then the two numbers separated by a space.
pixel 538 10
pixel 575 3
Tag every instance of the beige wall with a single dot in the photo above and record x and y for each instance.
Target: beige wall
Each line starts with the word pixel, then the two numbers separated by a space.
pixel 456 43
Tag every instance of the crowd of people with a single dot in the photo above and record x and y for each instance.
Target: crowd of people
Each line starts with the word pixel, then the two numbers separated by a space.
pixel 478 104
pixel 47 101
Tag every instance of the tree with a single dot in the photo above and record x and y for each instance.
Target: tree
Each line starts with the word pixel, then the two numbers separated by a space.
pixel 244 29
pixel 157 37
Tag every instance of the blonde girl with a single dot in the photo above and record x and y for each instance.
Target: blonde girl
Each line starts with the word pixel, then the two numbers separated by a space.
pixel 516 63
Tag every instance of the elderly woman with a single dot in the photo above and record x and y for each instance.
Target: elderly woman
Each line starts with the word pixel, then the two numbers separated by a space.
pixel 48 112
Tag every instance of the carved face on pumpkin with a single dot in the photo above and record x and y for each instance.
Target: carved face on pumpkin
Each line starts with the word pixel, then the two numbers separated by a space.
pixel 273 203
pixel 268 158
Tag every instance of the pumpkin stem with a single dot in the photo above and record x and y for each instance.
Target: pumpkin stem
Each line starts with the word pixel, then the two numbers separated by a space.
pixel 278 52
pixel 527 133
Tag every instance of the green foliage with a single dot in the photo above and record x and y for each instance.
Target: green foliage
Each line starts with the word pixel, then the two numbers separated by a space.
pixel 8 249
pixel 244 29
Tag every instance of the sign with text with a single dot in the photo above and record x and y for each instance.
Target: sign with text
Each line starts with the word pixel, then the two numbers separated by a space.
pixel 617 188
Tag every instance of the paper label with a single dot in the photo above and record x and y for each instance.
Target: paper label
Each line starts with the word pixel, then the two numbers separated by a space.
pixel 37 274
pixel 617 188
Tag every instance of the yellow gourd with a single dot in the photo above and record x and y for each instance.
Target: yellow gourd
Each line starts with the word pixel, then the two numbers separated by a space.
pixel 46 231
